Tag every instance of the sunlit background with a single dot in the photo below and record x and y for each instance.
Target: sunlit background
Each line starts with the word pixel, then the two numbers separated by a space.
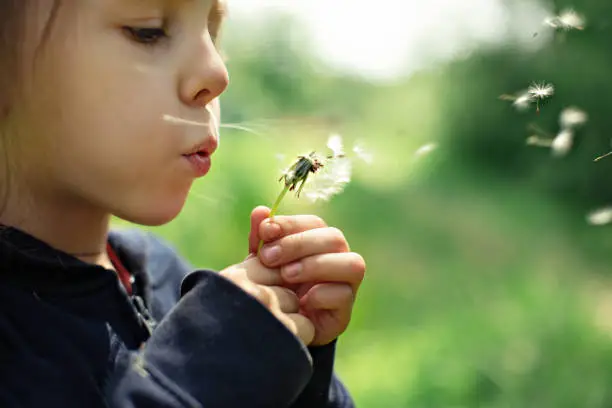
pixel 488 284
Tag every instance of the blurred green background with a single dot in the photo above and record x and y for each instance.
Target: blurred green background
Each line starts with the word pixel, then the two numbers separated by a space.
pixel 486 287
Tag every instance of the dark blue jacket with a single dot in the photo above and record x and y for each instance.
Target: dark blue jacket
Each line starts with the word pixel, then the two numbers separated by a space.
pixel 71 335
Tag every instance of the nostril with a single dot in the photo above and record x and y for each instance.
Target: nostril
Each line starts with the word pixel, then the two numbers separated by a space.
pixel 202 96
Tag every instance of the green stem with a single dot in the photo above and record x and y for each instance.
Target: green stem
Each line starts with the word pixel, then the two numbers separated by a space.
pixel 274 209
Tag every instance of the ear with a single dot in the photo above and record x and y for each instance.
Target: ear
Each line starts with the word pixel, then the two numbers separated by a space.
pixel 258 215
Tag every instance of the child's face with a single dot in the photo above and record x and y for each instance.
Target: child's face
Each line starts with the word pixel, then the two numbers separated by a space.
pixel 91 127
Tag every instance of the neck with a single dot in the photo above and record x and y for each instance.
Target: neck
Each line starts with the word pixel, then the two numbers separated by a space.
pixel 69 225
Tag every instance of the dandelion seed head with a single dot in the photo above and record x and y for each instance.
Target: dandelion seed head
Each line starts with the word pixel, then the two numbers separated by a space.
pixel 601 216
pixel 572 117
pixel 330 180
pixel 562 143
pixel 541 90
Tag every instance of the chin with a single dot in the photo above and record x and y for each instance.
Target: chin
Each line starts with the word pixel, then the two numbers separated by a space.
pixel 153 215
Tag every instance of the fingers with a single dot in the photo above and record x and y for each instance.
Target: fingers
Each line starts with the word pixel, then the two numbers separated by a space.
pixel 253 270
pixel 347 267
pixel 330 306
pixel 279 298
pixel 299 325
pixel 299 245
pixel 257 216
pixel 329 296
pixel 280 226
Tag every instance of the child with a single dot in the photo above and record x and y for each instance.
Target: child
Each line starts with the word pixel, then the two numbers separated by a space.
pixel 92 318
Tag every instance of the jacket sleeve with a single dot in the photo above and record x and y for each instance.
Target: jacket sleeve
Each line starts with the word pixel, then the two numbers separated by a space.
pixel 324 390
pixel 218 347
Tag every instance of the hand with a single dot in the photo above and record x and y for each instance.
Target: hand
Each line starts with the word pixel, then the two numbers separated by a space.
pixel 264 284
pixel 315 262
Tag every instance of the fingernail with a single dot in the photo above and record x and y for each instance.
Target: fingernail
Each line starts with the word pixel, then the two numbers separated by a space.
pixel 271 253
pixel 271 230
pixel 292 271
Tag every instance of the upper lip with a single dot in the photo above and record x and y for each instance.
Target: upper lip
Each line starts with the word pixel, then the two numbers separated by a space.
pixel 207 147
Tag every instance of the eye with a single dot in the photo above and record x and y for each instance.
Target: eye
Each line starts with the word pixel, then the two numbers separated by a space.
pixel 146 35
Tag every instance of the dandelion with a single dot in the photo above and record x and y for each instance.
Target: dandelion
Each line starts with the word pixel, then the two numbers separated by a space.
pixel 562 143
pixel 325 176
pixel 601 216
pixel 540 92
pixel 572 117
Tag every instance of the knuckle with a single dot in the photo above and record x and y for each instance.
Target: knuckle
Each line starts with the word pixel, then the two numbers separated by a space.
pixel 297 243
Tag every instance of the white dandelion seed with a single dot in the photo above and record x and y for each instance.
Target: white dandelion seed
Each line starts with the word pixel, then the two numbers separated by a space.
pixel 215 123
pixel 538 141
pixel 566 20
pixel 562 143
pixel 334 143
pixel 425 149
pixel 363 154
pixel 569 20
pixel 180 121
pixel 522 101
pixel 541 90
pixel 572 117
pixel 601 216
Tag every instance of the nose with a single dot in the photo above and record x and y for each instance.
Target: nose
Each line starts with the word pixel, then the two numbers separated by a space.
pixel 205 75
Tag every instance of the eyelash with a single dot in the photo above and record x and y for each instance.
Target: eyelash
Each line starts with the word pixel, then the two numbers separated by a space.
pixel 146 35
pixel 152 36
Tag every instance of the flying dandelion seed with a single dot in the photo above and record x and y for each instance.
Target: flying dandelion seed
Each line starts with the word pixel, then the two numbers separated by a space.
pixel 363 154
pixel 538 141
pixel 520 101
pixel 570 20
pixel 334 143
pixel 603 156
pixel 562 143
pixel 539 92
pixel 180 121
pixel 215 122
pixel 425 149
pixel 572 117
pixel 601 216
pixel 567 20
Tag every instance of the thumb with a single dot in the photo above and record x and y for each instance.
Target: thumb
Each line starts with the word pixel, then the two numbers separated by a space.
pixel 257 216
